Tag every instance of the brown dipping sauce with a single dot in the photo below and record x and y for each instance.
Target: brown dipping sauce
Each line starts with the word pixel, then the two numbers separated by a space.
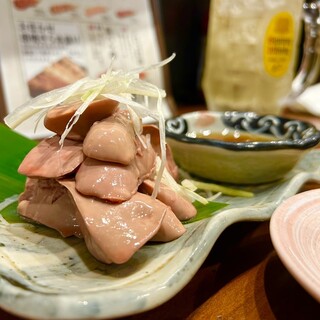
pixel 233 136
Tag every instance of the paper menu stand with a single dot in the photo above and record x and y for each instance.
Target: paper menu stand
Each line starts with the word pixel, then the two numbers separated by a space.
pixel 52 43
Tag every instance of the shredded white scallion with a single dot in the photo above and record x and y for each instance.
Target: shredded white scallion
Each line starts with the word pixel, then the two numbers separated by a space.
pixel 117 85
pixel 188 184
pixel 120 83
pixel 183 191
pixel 136 120
pixel 44 101
pixel 214 196
pixel 162 146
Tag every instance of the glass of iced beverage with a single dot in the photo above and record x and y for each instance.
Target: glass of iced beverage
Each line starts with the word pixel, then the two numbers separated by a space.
pixel 252 50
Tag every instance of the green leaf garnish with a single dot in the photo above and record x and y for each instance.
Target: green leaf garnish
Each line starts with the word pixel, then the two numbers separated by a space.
pixel 14 148
pixel 205 210
pixel 10 214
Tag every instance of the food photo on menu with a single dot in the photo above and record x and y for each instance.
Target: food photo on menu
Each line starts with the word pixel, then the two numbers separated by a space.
pixel 118 199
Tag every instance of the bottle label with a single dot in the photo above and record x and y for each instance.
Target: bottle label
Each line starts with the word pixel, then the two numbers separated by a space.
pixel 278 44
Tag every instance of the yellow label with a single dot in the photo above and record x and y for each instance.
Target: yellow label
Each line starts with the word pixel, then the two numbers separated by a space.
pixel 278 44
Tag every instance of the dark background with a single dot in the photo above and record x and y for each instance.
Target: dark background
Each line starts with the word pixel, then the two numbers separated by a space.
pixel 184 26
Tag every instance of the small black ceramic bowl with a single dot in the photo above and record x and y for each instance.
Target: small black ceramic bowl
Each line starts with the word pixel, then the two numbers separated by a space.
pixel 239 147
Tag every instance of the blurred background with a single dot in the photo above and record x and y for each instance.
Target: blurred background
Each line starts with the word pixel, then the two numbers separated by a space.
pixel 184 24
pixel 183 27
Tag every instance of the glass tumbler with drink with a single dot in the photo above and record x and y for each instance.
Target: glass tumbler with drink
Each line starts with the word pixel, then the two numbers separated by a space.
pixel 252 50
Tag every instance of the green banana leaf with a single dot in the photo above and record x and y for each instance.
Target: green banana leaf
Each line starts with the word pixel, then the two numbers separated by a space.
pixel 14 148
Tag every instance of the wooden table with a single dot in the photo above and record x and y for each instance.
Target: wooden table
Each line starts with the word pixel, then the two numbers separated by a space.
pixel 242 278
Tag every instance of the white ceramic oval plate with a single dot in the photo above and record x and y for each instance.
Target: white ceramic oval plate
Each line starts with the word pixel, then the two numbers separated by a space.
pixel 43 276
pixel 295 234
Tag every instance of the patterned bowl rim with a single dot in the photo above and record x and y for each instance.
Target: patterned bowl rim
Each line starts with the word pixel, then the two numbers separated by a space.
pixel 290 133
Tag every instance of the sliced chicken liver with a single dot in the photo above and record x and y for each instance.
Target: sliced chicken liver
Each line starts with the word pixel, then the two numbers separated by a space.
pixel 112 139
pixel 47 202
pixel 49 160
pixel 57 118
pixel 114 232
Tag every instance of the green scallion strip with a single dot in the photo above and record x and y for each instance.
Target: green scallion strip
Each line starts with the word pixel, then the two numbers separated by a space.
pixel 225 190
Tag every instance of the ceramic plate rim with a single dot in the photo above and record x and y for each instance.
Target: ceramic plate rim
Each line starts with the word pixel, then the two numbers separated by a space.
pixel 286 252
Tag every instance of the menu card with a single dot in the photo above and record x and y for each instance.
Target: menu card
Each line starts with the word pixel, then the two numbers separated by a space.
pixel 46 44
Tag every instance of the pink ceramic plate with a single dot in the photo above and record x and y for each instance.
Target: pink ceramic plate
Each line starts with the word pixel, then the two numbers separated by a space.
pixel 295 233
